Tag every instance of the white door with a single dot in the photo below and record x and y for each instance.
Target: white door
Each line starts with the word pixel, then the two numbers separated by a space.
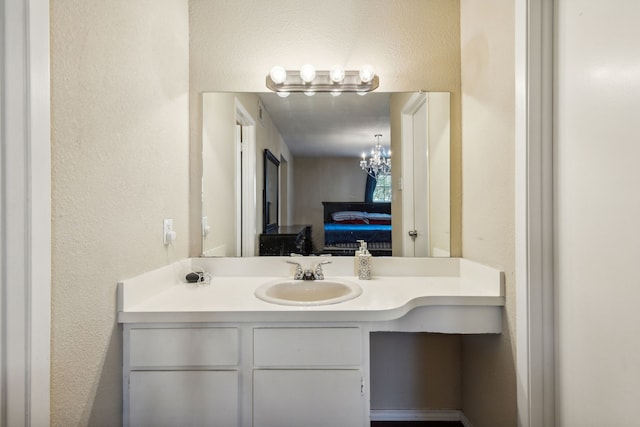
pixel 246 231
pixel 425 176
pixel 415 177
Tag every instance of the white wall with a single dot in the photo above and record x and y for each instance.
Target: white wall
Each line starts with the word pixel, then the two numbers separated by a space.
pixel 120 164
pixel 488 134
pixel 597 207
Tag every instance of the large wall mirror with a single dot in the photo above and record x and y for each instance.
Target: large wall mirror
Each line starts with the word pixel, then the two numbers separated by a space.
pixel 315 144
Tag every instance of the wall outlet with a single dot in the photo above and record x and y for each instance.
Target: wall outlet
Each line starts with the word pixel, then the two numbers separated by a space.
pixel 168 235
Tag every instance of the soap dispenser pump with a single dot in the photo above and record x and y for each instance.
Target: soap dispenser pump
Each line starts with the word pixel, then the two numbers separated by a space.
pixel 363 258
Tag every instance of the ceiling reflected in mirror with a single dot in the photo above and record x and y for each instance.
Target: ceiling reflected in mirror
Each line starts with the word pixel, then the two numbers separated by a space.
pixel 328 126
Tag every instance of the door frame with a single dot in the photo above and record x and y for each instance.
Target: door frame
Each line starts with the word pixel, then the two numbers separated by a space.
pixel 245 182
pixel 535 331
pixel 25 182
pixel 408 205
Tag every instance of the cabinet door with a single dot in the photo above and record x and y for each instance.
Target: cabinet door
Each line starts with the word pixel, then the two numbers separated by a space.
pixel 183 398
pixel 310 398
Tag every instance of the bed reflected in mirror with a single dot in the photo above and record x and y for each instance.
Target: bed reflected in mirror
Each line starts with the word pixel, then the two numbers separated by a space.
pixel 348 223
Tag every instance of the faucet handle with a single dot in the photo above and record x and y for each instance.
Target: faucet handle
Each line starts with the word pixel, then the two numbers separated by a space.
pixel 299 274
pixel 319 273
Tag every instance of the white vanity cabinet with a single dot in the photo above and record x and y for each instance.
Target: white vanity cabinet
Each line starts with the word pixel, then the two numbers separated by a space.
pixel 217 355
pixel 310 377
pixel 248 375
pixel 181 376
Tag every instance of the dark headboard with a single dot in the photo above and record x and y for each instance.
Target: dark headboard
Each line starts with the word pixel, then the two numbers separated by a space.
pixel 377 207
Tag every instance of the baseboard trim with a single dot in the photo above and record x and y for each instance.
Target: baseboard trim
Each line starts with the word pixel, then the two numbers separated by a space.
pixel 419 415
pixel 465 421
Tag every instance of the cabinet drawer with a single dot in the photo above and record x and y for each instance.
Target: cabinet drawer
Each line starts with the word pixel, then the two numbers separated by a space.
pixel 307 347
pixel 309 398
pixel 189 347
pixel 183 398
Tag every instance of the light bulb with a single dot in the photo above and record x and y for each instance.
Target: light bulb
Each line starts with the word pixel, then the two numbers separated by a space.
pixel 278 74
pixel 309 92
pixel 366 73
pixel 307 73
pixel 335 93
pixel 337 74
pixel 283 94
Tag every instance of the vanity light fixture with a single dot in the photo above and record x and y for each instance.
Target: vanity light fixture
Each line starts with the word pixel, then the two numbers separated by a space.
pixel 379 164
pixel 309 80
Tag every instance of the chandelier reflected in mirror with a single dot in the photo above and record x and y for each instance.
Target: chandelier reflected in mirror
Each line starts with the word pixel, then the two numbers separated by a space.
pixel 379 164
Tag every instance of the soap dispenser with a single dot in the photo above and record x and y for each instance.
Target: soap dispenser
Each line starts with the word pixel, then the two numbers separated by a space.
pixel 356 260
pixel 363 258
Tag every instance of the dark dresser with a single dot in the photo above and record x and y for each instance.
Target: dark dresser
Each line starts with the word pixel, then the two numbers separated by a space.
pixel 287 239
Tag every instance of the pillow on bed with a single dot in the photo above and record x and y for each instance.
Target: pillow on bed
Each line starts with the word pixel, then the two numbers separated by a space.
pixel 377 216
pixel 353 221
pixel 349 216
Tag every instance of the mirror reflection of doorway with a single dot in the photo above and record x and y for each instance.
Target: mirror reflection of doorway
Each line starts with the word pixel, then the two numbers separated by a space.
pixel 245 143
pixel 425 175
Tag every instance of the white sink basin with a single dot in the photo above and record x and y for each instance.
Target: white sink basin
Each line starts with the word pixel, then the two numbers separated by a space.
pixel 308 292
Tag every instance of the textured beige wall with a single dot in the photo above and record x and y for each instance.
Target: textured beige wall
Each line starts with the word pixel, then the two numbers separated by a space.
pixel 119 166
pixel 487 33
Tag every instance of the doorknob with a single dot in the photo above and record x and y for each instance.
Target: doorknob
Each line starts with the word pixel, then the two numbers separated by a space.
pixel 413 233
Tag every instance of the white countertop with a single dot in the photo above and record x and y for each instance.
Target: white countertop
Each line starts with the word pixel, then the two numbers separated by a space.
pixel 161 295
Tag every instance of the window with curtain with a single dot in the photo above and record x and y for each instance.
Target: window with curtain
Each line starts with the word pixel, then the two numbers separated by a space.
pixel 378 190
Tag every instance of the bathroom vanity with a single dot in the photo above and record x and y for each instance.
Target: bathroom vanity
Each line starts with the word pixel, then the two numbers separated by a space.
pixel 216 354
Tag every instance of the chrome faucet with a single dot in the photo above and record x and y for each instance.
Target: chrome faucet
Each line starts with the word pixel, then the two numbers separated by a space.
pixel 308 274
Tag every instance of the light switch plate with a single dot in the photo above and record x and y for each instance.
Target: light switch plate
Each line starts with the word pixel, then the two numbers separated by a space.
pixel 168 235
